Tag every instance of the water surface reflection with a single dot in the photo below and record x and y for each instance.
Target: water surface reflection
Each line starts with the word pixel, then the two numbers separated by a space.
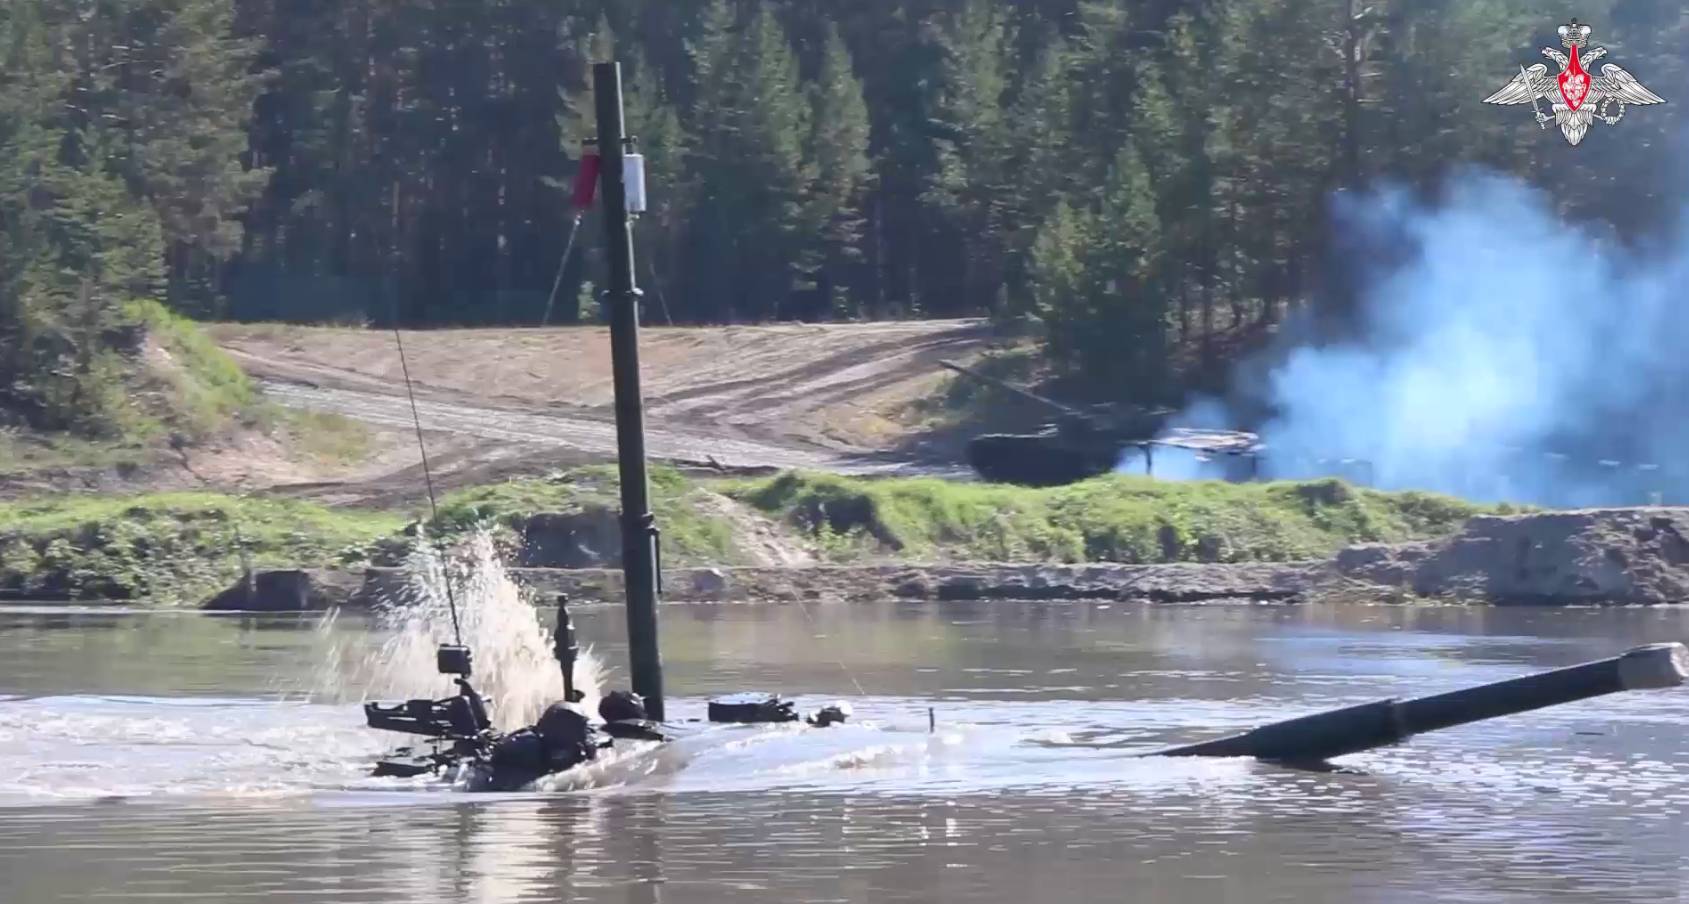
pixel 169 757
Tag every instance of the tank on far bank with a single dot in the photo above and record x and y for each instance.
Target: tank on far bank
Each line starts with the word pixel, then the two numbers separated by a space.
pixel 1080 444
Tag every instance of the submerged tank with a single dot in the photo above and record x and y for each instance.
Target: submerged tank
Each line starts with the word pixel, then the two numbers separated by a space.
pixel 1079 444
pixel 466 752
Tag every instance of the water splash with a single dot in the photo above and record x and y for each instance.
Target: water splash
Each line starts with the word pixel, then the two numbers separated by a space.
pixel 514 666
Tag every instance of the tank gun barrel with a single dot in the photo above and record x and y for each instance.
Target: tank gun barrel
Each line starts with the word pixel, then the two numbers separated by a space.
pixel 1010 387
pixel 1322 736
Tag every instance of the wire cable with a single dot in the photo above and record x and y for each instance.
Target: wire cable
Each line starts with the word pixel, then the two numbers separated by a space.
pixel 802 607
pixel 427 479
pixel 568 249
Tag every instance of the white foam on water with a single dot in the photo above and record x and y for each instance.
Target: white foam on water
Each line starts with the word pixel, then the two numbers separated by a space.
pixel 94 747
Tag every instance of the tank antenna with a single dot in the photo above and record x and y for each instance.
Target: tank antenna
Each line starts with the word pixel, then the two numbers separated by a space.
pixel 427 476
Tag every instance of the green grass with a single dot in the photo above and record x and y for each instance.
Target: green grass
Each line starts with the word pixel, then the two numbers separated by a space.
pixel 205 389
pixel 275 330
pixel 171 547
pixel 1119 518
pixel 691 534
pixel 191 393
pixel 182 547
pixel 327 437
pixel 23 453
pixel 210 391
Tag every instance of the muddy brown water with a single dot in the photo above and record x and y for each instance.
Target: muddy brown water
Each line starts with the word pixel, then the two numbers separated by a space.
pixel 175 757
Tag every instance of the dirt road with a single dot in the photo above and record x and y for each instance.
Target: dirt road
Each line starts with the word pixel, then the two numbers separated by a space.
pixel 582 432
pixel 833 397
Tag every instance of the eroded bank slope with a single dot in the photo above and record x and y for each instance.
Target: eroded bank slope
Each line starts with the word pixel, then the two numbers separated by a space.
pixel 803 536
pixel 1609 556
pixel 1637 555
pixel 181 547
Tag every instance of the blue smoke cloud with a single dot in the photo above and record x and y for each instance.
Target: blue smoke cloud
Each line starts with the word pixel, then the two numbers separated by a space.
pixel 1503 354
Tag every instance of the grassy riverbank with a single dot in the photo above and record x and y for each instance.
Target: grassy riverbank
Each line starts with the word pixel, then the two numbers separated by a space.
pixel 1120 518
pixel 173 548
pixel 180 547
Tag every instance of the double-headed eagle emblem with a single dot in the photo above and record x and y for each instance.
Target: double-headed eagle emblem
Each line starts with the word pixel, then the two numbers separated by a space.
pixel 1578 99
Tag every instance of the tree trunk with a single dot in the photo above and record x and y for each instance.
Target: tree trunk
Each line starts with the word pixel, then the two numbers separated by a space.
pixel 1352 54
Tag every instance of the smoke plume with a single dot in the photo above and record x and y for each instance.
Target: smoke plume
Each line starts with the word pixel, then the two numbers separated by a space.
pixel 1503 354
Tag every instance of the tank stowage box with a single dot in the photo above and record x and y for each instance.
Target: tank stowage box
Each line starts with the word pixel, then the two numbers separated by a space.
pixel 752 707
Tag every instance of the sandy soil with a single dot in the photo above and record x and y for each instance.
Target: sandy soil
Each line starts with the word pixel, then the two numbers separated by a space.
pixel 499 403
pixel 825 396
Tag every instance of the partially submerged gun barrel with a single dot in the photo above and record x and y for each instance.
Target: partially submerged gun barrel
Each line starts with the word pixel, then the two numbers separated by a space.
pixel 1322 736
pixel 1051 404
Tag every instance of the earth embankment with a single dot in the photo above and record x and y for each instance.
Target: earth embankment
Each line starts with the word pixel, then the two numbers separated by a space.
pixel 1595 557
pixel 1634 555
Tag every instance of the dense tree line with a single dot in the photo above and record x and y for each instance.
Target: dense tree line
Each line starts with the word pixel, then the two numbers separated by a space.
pixel 123 175
pixel 1148 181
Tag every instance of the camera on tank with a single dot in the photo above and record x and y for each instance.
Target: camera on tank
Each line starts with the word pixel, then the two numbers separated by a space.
pixel 452 659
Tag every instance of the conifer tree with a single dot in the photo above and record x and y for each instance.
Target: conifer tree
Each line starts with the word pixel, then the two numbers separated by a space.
pixel 748 127
pixel 968 185
pixel 1038 168
pixel 1105 314
pixel 838 149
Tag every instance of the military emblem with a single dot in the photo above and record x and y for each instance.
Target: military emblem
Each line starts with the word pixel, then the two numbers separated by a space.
pixel 1577 98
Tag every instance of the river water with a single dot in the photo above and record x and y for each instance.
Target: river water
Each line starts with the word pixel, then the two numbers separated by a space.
pixel 180 756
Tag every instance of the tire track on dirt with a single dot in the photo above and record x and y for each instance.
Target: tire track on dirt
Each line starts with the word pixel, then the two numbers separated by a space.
pixel 824 397
pixel 582 433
